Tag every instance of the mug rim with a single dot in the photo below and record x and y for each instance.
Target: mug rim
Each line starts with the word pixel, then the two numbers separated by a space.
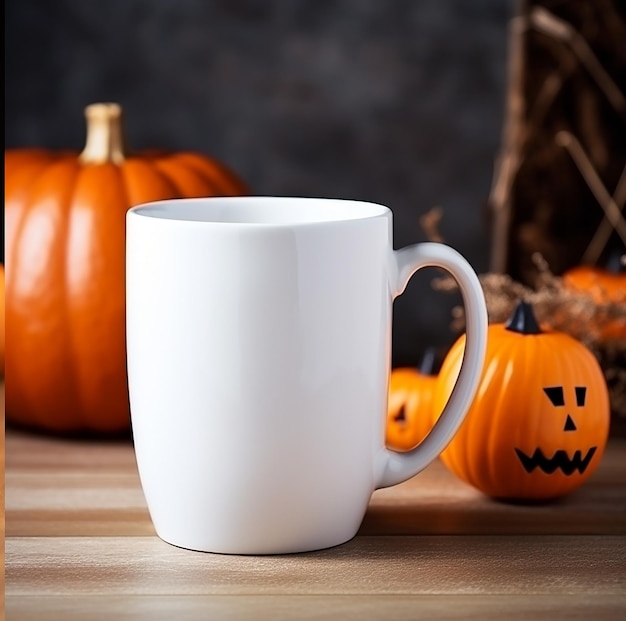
pixel 260 210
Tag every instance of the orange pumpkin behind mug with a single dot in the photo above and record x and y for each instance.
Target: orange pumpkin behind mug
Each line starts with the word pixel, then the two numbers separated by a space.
pixel 65 256
pixel 410 406
pixel 539 423
pixel 606 286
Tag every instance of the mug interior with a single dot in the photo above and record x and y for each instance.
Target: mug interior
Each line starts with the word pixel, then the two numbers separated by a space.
pixel 260 210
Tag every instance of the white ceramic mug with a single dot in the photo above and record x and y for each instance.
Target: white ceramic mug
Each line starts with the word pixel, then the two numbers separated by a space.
pixel 259 332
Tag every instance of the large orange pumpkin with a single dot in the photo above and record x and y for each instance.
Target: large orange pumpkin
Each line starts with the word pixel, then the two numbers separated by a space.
pixel 539 423
pixel 65 260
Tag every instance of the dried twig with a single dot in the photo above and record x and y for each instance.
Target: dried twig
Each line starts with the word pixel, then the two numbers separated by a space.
pixel 603 233
pixel 513 139
pixel 430 224
pixel 606 201
pixel 549 24
pixel 522 118
pixel 557 307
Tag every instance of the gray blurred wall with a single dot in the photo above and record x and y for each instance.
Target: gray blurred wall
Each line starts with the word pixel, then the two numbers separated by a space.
pixel 398 102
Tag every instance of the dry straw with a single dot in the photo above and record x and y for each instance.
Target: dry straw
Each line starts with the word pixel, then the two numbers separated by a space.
pixel 556 306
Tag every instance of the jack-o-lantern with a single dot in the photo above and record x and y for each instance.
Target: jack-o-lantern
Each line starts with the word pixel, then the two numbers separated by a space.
pixel 539 423
pixel 409 410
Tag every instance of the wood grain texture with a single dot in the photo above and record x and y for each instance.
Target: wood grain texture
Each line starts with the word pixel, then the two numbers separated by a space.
pixel 80 545
pixel 61 487
pixel 316 607
pixel 488 565
pixel 2 493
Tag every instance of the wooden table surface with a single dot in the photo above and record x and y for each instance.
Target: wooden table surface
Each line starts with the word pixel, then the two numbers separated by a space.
pixel 80 545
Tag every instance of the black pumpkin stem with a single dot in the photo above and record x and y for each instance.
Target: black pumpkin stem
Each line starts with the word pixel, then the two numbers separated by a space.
pixel 523 320
pixel 615 263
pixel 429 359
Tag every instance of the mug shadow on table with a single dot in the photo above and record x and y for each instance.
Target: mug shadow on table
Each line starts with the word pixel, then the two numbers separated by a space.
pixel 591 510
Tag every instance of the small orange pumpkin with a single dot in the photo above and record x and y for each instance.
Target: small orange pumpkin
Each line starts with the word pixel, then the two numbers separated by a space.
pixel 605 286
pixel 409 411
pixel 65 280
pixel 539 423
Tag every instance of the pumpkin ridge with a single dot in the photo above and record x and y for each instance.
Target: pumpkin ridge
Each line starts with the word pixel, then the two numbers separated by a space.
pixel 466 465
pixel 20 161
pixel 218 175
pixel 588 361
pixel 547 348
pixel 456 455
pixel 167 167
pixel 95 330
pixel 481 469
pixel 68 341
pixel 536 352
pixel 143 183
pixel 48 184
pixel 504 419
pixel 210 178
pixel 16 201
pixel 452 361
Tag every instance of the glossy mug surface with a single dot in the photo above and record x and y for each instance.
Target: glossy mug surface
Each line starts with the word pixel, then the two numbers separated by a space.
pixel 259 332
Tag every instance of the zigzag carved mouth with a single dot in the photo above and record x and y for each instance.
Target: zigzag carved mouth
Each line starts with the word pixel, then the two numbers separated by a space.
pixel 559 460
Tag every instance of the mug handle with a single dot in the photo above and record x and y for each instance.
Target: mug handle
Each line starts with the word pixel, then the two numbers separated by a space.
pixel 397 467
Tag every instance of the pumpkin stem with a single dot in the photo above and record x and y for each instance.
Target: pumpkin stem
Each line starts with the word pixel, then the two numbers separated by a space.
pixel 427 365
pixel 523 320
pixel 105 139
pixel 616 263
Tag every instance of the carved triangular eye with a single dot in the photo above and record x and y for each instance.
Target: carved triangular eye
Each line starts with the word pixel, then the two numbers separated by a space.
pixel 570 425
pixel 400 417
pixel 555 394
pixel 581 393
